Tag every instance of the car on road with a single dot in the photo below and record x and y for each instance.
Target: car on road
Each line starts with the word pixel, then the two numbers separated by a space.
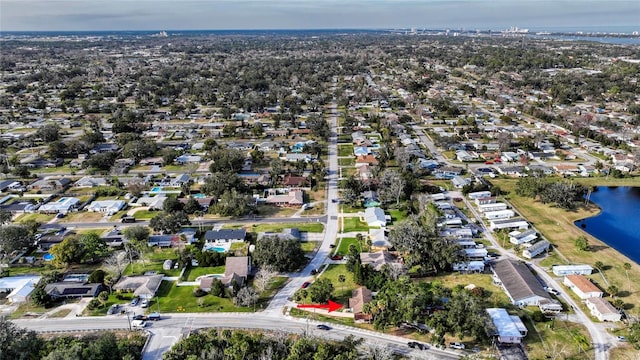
pixel 138 324
pixel 305 284
pixel 155 316
pixel 417 345
pixel 134 301
pixel 552 291
pixel 139 317
pixel 323 327
pixel 457 345
pixel 336 257
pixel 113 309
pixel 457 199
pixel 621 338
pixel 145 303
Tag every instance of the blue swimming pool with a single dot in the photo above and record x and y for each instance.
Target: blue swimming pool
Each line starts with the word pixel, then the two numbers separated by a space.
pixel 156 189
pixel 217 249
pixel 48 257
pixel 198 196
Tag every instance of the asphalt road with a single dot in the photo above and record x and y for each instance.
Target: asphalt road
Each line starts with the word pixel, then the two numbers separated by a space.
pixel 172 327
pixel 204 222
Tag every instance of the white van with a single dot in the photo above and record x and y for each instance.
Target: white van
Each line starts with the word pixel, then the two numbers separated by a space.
pixel 138 324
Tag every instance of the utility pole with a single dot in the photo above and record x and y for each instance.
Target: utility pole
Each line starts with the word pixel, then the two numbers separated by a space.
pixel 129 320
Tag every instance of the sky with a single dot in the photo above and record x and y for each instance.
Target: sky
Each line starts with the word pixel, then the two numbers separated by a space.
pixel 87 15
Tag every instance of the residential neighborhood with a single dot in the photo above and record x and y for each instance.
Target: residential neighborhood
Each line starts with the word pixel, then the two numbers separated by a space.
pixel 432 194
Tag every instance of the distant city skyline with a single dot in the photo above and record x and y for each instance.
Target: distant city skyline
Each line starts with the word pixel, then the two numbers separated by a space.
pixel 88 15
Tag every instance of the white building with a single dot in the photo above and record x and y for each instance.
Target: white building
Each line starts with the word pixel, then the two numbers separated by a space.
pixel 492 207
pixel 500 214
pixel 582 286
pixel 109 207
pixel 479 194
pixel 469 266
pixel 536 249
pixel 19 287
pixel 374 216
pixel 62 205
pixel 508 224
pixel 602 309
pixel 509 329
pixel 518 238
pixel 564 270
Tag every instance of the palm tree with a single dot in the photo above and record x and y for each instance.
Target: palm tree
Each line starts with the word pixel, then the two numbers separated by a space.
pixel 341 280
pixel 612 290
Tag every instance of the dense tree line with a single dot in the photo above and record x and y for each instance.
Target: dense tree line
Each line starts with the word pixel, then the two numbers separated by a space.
pixel 280 254
pixel 241 345
pixel 565 195
pixel 20 344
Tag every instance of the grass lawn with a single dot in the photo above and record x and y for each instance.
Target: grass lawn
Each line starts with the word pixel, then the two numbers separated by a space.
pixel 309 246
pixel 83 216
pixel 60 313
pixel 193 273
pixel 346 161
pixel 351 210
pixel 174 298
pixel 145 214
pixel 274 211
pixel 41 218
pixel 354 224
pixel 557 225
pixel 343 249
pixel 342 291
pixel 304 227
pixel 345 150
pixel 451 280
pixel 397 215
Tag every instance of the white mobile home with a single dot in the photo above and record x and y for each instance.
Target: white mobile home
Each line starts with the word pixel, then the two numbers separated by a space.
pixel 508 329
pixel 469 266
pixel 536 249
pixel 485 200
pixel 500 214
pixel 517 223
pixel 564 270
pixel 475 253
pixel 602 309
pixel 582 286
pixel 479 194
pixel 518 238
pixel 492 207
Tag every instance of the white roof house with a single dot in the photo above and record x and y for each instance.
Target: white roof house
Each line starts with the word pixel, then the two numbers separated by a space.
pixel 563 270
pixel 475 253
pixel 62 205
pixel 492 207
pixel 374 216
pixel 500 214
pixel 517 223
pixel 602 309
pixel 536 249
pixel 469 266
pixel 153 202
pixel 109 207
pixel 479 194
pixel 19 287
pixel 89 181
pixel 517 238
pixel 582 286
pixel 509 329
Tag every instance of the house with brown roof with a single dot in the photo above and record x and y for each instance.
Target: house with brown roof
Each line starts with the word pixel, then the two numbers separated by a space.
pixel 582 286
pixel 292 198
pixel 360 297
pixel 237 269
pixel 295 181
pixel 144 286
pixel 366 160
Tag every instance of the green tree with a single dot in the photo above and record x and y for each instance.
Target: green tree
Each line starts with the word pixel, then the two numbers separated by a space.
pixel 14 237
pixel 169 223
pixel 137 233
pixel 233 203
pixel 17 343
pixel 5 217
pixel 226 160
pixel 171 205
pixel 282 254
pixel 69 251
pixel 192 206
pixel 94 247
pixel 48 133
pixel 582 243
pixel 320 291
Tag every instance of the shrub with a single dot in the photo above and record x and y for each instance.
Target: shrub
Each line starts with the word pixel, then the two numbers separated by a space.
pixel 198 292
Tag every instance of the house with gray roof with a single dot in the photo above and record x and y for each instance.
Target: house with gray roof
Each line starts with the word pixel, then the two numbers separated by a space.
pixel 144 286
pixel 225 235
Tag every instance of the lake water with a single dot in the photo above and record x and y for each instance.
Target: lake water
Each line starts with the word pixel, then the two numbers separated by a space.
pixel 618 225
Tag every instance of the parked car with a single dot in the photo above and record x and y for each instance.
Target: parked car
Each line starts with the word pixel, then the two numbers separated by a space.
pixel 323 327
pixel 621 338
pixel 139 317
pixel 336 257
pixel 552 291
pixel 305 284
pixel 145 303
pixel 155 316
pixel 417 345
pixel 60 215
pixel 457 345
pixel 134 301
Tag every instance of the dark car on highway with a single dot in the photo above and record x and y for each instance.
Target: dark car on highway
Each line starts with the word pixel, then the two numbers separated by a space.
pixel 305 284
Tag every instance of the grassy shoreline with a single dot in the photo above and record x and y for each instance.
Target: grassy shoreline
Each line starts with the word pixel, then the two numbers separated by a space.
pixel 557 225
